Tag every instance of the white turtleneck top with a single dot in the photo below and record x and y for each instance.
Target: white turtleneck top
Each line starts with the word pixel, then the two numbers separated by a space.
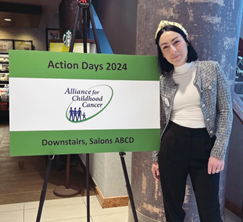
pixel 186 109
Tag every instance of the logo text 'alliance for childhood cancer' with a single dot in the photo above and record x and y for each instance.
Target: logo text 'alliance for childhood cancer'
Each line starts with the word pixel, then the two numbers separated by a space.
pixel 87 103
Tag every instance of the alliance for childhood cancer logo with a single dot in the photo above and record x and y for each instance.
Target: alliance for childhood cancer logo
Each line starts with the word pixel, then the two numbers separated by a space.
pixel 87 103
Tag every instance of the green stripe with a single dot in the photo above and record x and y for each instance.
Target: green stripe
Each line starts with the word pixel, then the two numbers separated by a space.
pixel 30 143
pixel 34 64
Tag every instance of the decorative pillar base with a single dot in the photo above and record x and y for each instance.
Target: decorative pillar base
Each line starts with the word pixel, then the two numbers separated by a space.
pixel 107 202
pixel 141 217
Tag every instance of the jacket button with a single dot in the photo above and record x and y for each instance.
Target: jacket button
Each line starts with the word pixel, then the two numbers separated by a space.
pixel 203 105
pixel 167 102
pixel 208 119
pixel 210 87
pixel 211 132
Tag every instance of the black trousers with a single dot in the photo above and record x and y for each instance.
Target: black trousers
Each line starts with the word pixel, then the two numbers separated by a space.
pixel 186 151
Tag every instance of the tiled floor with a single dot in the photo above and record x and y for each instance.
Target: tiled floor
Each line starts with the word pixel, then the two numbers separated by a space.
pixel 62 210
pixel 54 210
pixel 230 217
pixel 71 210
pixel 21 178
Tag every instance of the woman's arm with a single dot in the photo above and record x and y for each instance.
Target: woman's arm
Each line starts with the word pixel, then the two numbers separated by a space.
pixel 225 114
pixel 225 119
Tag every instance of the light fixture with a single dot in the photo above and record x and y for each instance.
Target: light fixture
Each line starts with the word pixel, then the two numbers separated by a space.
pixel 7 20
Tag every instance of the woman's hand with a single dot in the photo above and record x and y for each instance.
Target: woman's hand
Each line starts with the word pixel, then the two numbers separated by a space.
pixel 155 170
pixel 215 165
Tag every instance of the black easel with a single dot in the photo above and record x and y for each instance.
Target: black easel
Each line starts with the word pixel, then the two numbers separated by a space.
pixel 129 189
pixel 43 192
pixel 85 6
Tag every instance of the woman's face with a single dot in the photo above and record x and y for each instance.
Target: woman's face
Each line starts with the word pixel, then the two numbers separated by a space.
pixel 173 48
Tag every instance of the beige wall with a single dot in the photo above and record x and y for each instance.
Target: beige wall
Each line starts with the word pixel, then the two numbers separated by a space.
pixel 37 35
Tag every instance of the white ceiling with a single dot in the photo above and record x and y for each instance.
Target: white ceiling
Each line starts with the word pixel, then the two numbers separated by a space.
pixel 49 9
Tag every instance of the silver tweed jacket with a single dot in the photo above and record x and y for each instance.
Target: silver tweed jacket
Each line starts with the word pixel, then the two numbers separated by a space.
pixel 215 100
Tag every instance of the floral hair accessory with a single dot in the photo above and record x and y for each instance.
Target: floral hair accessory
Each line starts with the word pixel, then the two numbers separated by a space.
pixel 164 23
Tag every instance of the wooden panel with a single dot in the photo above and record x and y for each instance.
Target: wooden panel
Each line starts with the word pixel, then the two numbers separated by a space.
pixel 21 15
pixel 21 178
pixel 19 20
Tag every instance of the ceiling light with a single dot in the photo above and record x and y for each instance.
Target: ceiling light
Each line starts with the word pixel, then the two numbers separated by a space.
pixel 7 20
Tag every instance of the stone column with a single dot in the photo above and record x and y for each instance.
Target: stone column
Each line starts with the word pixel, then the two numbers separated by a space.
pixel 213 27
pixel 67 16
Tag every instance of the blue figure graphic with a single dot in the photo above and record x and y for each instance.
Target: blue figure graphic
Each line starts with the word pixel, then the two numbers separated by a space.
pixel 71 118
pixel 79 113
pixel 84 116
pixel 75 115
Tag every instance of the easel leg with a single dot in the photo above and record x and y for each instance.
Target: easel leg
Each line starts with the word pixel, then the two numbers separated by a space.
pixel 75 29
pixel 94 30
pixel 85 29
pixel 85 10
pixel 43 192
pixel 129 189
pixel 87 155
pixel 87 187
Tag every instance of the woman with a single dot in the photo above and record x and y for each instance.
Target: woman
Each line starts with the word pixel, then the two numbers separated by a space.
pixel 195 105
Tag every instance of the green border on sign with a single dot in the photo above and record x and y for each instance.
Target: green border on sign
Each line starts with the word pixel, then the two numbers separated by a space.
pixel 34 64
pixel 79 66
pixel 53 142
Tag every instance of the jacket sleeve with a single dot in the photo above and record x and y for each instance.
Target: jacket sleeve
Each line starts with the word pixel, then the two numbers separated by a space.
pixel 225 114
pixel 155 156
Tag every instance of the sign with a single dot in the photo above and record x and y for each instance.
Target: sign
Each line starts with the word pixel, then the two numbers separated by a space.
pixel 77 47
pixel 22 45
pixel 69 103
